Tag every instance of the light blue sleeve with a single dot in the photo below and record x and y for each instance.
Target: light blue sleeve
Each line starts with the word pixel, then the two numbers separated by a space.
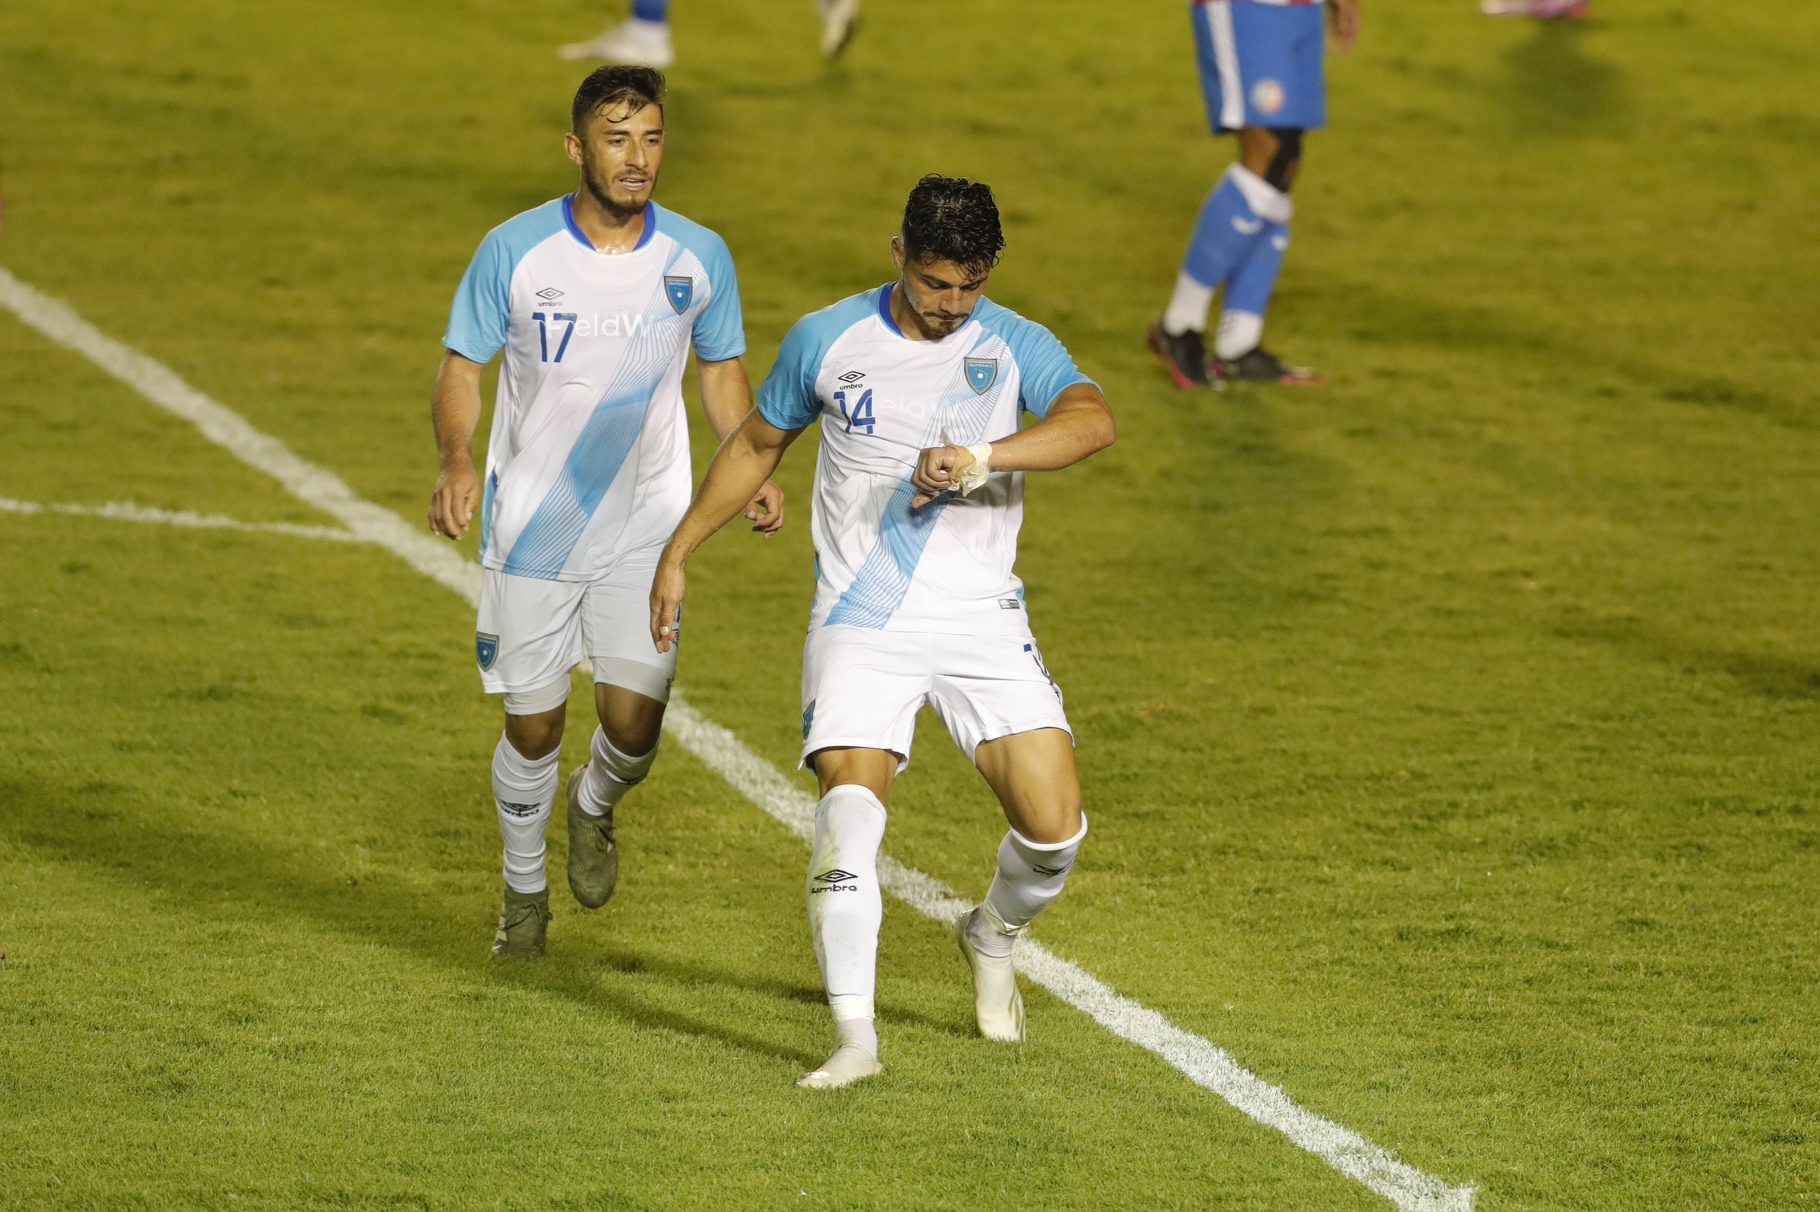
pixel 1044 367
pixel 477 318
pixel 720 328
pixel 787 397
pixel 483 302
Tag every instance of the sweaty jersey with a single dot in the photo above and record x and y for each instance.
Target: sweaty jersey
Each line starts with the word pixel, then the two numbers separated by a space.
pixel 589 453
pixel 882 399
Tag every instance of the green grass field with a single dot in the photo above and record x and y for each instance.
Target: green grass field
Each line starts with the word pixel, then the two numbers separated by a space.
pixel 1449 731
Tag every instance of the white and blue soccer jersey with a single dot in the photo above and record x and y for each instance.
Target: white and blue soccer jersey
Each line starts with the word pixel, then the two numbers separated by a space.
pixel 588 458
pixel 882 399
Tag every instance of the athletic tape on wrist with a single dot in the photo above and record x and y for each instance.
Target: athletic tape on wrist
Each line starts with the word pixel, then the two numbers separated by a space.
pixel 975 473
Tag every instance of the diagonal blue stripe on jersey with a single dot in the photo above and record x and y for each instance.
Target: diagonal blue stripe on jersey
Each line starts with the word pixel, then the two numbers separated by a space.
pixel 878 589
pixel 544 545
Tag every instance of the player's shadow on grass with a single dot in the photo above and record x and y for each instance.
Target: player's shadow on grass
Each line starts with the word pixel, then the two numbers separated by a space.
pixel 1557 89
pixel 115 832
pixel 1370 314
pixel 1770 677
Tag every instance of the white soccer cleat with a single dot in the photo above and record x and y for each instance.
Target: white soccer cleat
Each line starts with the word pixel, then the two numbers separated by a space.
pixel 1540 9
pixel 849 1064
pixel 840 21
pixel 644 43
pixel 998 1007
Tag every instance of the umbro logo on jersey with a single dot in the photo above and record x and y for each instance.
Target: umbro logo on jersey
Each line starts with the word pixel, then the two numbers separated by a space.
pixel 982 373
pixel 679 290
pixel 835 881
pixel 549 295
pixel 852 377
pixel 1247 227
pixel 486 648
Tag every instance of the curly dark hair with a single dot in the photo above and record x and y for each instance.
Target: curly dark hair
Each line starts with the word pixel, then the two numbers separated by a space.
pixel 953 219
pixel 617 85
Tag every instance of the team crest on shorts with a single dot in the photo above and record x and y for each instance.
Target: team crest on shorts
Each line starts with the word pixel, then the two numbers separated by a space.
pixel 486 648
pixel 1267 96
pixel 981 374
pixel 808 719
pixel 680 291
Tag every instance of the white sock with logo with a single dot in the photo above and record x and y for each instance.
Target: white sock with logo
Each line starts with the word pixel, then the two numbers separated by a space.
pixel 1030 875
pixel 842 892
pixel 523 790
pixel 610 774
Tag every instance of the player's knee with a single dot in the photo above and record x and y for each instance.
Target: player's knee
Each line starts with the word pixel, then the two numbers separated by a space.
pixel 534 734
pixel 632 721
pixel 1052 823
pixel 1280 171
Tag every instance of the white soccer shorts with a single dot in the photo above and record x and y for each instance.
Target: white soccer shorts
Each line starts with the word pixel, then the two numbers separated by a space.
pixel 862 688
pixel 531 632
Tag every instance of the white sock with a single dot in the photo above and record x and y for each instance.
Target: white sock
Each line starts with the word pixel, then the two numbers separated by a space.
pixel 1239 334
pixel 610 774
pixel 1187 308
pixel 859 1033
pixel 1030 875
pixel 842 892
pixel 523 790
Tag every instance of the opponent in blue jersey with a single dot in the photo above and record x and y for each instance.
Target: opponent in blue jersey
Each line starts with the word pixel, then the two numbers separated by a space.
pixel 920 387
pixel 1261 77
pixel 644 36
pixel 596 299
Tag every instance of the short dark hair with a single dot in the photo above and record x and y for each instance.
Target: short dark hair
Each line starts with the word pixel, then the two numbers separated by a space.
pixel 953 219
pixel 616 85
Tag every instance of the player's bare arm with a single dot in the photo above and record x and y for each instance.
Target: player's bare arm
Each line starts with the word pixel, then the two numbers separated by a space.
pixel 741 467
pixel 455 411
pixel 1077 424
pixel 1343 21
pixel 726 398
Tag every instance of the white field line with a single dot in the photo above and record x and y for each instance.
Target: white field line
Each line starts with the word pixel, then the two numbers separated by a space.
pixel 1203 1062
pixel 126 511
pixel 307 482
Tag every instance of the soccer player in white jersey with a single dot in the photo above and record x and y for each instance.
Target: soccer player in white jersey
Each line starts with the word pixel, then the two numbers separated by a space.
pixel 920 386
pixel 596 299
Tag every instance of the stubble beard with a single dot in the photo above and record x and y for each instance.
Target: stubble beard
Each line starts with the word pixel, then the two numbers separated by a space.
pixel 602 194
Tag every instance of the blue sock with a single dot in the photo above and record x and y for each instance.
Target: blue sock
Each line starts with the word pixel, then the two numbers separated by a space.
pixel 1225 234
pixel 651 10
pixel 1255 277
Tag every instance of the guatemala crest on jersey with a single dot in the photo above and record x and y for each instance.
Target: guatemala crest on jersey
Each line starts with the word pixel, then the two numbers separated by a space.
pixel 486 648
pixel 680 291
pixel 982 373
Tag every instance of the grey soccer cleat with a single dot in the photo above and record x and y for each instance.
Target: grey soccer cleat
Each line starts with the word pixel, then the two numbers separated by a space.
pixel 523 918
pixel 998 1008
pixel 593 852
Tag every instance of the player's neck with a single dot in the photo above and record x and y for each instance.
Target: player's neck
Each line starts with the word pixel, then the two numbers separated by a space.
pixel 610 229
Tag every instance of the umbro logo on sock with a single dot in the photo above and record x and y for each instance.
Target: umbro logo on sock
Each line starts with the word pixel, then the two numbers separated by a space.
pixel 520 810
pixel 1050 871
pixel 832 881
